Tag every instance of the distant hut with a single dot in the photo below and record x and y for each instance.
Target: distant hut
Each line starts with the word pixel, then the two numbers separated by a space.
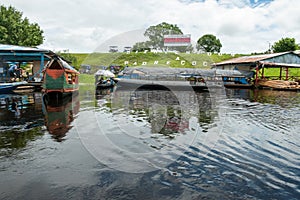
pixel 249 63
pixel 257 64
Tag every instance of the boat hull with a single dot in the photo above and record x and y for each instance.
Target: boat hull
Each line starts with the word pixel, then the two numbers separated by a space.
pixel 104 86
pixel 159 85
pixel 7 88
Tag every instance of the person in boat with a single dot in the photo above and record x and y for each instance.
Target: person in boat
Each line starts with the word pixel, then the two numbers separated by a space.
pixel 13 68
pixel 108 81
pixel 112 82
pixel 101 80
pixel 26 77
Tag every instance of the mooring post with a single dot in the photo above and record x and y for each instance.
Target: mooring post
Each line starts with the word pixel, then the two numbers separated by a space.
pixel 256 75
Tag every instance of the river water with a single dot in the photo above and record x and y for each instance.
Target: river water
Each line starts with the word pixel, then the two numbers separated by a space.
pixel 141 144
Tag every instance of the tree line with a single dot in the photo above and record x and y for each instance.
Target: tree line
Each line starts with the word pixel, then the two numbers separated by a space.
pixel 206 43
pixel 16 30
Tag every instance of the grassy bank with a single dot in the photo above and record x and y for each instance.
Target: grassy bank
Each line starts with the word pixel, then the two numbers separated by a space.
pixel 181 60
pixel 86 79
pixel 293 72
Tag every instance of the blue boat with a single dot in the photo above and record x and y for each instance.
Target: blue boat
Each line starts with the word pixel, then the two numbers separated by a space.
pixel 6 88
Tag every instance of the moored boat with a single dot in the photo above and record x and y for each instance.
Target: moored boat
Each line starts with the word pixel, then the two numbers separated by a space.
pixel 60 77
pixel 279 85
pixel 104 79
pixel 6 88
pixel 184 78
pixel 160 84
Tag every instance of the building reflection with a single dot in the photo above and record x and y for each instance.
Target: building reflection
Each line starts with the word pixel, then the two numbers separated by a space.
pixel 58 114
pixel 281 98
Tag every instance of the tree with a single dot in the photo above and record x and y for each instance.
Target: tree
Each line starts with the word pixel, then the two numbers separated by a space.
pixel 285 44
pixel 209 43
pixel 15 30
pixel 141 46
pixel 156 33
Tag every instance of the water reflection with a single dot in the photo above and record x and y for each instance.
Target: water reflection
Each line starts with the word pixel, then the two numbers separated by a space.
pixel 17 131
pixel 255 156
pixel 29 105
pixel 281 98
pixel 166 112
pixel 59 113
pixel 152 125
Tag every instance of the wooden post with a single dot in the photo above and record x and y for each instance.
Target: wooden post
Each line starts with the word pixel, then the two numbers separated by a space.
pixel 256 75
pixel 280 75
pixel 263 72
pixel 287 73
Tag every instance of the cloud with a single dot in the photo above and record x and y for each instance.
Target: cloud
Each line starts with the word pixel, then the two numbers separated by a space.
pixel 243 26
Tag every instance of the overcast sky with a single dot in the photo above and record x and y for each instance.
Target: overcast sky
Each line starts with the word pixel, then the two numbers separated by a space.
pixel 243 26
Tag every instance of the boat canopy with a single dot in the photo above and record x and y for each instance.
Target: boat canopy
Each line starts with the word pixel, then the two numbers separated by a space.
pixel 185 72
pixel 66 65
pixel 102 72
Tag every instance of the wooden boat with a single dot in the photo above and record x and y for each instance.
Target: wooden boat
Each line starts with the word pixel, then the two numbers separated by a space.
pixel 104 79
pixel 184 78
pixel 235 78
pixel 6 88
pixel 59 77
pixel 105 84
pixel 236 82
pixel 279 85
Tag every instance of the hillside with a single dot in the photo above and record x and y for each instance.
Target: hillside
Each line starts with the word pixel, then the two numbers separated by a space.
pixel 96 60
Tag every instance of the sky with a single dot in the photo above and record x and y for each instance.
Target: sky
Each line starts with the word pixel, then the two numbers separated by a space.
pixel 243 26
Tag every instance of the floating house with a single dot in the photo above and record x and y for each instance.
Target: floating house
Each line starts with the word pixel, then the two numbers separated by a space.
pixel 284 62
pixel 59 77
pixel 19 55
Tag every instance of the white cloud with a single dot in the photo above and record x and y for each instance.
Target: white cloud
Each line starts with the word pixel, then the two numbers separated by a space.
pixel 83 26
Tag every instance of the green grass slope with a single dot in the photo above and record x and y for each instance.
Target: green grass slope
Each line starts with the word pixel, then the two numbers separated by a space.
pixel 149 59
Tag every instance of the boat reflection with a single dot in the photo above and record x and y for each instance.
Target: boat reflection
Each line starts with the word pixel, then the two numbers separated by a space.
pixel 165 112
pixel 58 114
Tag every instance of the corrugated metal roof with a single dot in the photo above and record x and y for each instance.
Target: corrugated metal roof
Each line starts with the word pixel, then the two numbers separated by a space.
pixel 250 59
pixel 14 48
pixel 276 65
